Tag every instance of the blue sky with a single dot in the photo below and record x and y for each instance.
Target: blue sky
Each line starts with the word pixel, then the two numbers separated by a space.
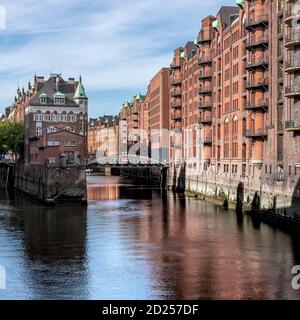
pixel 117 46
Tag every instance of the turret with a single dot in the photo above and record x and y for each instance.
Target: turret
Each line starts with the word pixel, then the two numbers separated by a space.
pixel 80 96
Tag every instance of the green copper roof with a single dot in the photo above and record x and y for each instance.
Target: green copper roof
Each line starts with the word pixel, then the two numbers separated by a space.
pixel 183 55
pixel 59 95
pixel 43 95
pixel 18 94
pixel 241 3
pixel 80 92
pixel 196 43
pixel 140 97
pixel 216 25
pixel 127 104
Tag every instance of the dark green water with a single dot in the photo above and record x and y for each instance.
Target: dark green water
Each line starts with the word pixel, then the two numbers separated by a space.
pixel 132 242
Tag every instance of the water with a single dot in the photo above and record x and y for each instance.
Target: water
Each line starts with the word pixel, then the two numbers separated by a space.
pixel 136 243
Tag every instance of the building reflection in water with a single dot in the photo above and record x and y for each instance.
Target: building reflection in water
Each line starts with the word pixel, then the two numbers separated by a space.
pixel 53 250
pixel 196 250
pixel 139 243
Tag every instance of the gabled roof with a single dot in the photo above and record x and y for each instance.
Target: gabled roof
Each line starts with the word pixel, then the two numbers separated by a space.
pixel 59 95
pixel 225 14
pixel 50 87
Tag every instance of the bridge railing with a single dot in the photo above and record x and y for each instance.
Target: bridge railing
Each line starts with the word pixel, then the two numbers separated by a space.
pixel 125 160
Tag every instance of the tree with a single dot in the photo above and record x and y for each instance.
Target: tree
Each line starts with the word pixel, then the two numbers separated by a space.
pixel 11 137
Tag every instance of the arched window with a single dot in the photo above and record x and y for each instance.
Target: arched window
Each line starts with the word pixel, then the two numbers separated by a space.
pixel 63 117
pixel 71 117
pixel 37 116
pixel 55 117
pixel 47 116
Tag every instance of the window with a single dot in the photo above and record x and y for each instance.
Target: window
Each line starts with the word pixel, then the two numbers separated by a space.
pixel 59 100
pixel 70 129
pixel 70 143
pixel 51 129
pixel 39 131
pixel 235 87
pixel 53 143
pixel 55 117
pixel 71 118
pixel 43 100
pixel 47 117
pixel 63 117
pixel 37 117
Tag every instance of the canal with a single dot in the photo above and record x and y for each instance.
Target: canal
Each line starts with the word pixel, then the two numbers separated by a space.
pixel 134 242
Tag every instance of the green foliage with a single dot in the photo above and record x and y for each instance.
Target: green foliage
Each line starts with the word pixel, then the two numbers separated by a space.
pixel 11 137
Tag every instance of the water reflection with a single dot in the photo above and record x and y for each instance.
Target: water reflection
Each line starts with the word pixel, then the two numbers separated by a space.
pixel 137 243
pixel 45 248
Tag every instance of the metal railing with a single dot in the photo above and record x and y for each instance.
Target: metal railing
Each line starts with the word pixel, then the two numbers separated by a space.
pixel 258 19
pixel 294 37
pixel 290 90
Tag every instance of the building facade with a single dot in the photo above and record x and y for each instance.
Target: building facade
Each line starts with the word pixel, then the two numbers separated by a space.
pixel 158 94
pixel 55 119
pixel 247 115
pixel 103 138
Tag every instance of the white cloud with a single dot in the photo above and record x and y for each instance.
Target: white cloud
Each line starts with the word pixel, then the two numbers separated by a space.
pixel 114 44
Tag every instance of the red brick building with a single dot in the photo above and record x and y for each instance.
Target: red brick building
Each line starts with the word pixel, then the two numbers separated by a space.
pixel 55 119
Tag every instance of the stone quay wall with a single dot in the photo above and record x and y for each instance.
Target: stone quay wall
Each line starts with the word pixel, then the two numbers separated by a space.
pixel 265 199
pixel 155 175
pixel 5 174
pixel 51 184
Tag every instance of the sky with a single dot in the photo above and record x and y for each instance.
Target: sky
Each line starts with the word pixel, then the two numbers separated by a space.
pixel 117 45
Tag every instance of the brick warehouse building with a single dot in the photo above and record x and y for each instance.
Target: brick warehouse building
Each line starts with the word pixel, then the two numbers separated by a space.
pixel 248 108
pixel 144 123
pixel 55 119
pixel 103 137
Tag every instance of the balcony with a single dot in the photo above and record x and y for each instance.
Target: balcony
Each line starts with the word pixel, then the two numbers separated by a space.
pixel 176 93
pixel 176 116
pixel 174 66
pixel 256 42
pixel 205 106
pixel 176 145
pixel 256 133
pixel 205 90
pixel 204 39
pixel 260 105
pixel 292 65
pixel 260 20
pixel 176 82
pixel 205 120
pixel 205 75
pixel 207 141
pixel 290 14
pixel 176 105
pixel 177 127
pixel 292 126
pixel 292 39
pixel 257 63
pixel 257 84
pixel 292 91
pixel 205 60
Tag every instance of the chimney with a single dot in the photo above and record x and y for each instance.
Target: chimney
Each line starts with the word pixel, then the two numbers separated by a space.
pixel 57 83
pixel 39 83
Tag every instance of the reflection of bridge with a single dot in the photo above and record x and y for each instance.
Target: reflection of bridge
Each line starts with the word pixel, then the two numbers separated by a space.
pixel 124 160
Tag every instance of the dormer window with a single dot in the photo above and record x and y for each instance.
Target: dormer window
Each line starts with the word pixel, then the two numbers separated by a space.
pixel 43 98
pixel 59 98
